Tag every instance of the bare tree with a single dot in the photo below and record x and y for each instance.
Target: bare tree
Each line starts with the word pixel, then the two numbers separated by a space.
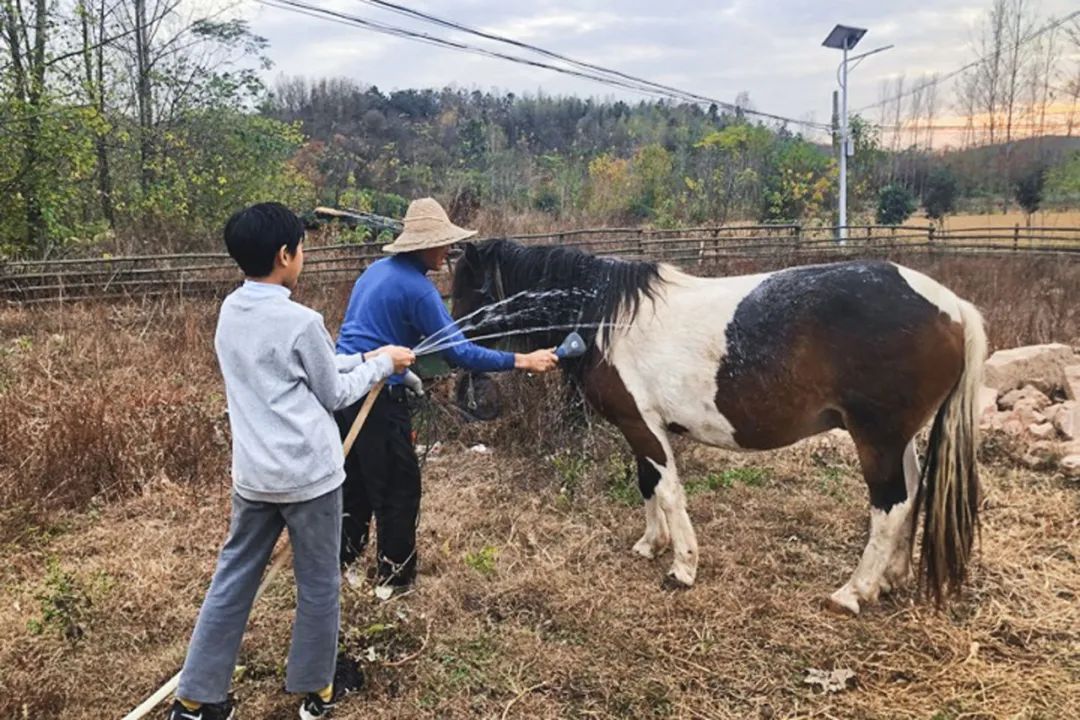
pixel 897 111
pixel 930 100
pixel 967 106
pixel 1019 21
pixel 915 112
pixel 1071 86
pixel 1043 69
pixel 990 47
pixel 172 57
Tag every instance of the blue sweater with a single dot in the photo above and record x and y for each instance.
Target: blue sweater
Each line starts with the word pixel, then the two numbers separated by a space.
pixel 394 303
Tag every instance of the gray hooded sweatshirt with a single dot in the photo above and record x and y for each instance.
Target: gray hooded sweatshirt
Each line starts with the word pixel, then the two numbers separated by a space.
pixel 283 382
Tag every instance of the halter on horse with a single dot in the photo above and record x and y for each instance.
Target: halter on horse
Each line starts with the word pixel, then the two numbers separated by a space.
pixel 760 361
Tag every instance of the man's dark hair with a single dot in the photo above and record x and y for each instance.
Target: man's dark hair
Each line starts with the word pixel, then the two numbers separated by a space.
pixel 254 235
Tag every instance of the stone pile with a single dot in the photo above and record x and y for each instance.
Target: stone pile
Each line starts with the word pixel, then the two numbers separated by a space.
pixel 1032 394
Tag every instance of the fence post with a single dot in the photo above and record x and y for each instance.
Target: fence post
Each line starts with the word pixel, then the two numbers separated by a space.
pixel 930 236
pixel 798 235
pixel 1016 237
pixel 641 243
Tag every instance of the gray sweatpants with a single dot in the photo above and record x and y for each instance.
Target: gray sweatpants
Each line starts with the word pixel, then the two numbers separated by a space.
pixel 315 536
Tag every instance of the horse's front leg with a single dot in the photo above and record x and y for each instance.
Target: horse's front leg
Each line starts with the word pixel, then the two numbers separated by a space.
pixel 657 537
pixel 671 502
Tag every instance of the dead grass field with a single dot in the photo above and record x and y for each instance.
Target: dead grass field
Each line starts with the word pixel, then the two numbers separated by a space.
pixel 114 501
pixel 1053 219
pixel 530 604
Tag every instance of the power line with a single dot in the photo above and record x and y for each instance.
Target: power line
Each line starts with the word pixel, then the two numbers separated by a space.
pixel 409 12
pixel 614 78
pixel 936 80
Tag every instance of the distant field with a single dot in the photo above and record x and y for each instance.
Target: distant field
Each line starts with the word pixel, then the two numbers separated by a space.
pixel 1064 219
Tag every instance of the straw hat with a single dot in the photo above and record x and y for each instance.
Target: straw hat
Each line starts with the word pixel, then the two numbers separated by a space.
pixel 427 226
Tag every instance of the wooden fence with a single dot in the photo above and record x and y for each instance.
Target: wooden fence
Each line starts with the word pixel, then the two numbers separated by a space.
pixel 83 278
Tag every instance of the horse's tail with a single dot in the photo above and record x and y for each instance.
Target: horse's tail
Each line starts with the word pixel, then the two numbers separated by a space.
pixel 950 482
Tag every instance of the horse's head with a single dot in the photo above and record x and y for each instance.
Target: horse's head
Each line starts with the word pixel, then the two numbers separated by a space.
pixel 543 292
pixel 474 284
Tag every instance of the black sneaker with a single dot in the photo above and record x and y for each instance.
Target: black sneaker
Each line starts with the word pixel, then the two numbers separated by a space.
pixel 208 711
pixel 347 679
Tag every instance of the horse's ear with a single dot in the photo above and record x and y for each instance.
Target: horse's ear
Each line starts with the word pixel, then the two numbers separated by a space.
pixel 471 253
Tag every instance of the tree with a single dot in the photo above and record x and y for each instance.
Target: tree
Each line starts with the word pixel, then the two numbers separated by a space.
pixel 610 186
pixel 799 183
pixel 895 205
pixel 1063 180
pixel 1029 191
pixel 939 194
pixel 27 68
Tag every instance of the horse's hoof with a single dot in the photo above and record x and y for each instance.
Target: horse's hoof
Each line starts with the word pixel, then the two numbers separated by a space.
pixel 671 582
pixel 895 579
pixel 644 549
pixel 844 602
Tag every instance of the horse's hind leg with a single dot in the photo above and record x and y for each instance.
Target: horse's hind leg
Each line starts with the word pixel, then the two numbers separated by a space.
pixel 898 571
pixel 657 537
pixel 891 502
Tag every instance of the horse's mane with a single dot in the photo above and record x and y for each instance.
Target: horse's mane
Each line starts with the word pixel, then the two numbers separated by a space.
pixel 602 291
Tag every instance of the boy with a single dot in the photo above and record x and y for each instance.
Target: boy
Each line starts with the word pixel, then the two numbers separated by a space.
pixel 282 383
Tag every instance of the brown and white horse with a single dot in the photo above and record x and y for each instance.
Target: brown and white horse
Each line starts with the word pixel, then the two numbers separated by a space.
pixel 760 361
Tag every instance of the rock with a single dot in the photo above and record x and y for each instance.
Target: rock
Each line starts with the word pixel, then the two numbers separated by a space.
pixel 1030 393
pixel 1042 431
pixel 1012 425
pixel 1040 365
pixel 1029 411
pixel 987 400
pixel 1066 418
pixel 1071 464
pixel 1072 381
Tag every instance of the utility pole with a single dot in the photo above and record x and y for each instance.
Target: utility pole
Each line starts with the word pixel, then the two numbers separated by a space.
pixel 844 139
pixel 838 148
pixel 845 38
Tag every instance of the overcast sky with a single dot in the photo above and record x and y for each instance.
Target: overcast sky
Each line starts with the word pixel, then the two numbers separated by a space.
pixel 719 48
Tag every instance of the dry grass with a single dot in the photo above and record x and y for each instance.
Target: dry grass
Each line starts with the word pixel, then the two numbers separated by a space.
pixel 114 489
pixel 530 600
pixel 1054 219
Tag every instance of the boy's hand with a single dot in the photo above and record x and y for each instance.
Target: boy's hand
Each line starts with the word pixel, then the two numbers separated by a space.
pixel 540 361
pixel 402 357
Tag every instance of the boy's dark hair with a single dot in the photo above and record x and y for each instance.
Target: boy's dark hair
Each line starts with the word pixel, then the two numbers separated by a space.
pixel 254 235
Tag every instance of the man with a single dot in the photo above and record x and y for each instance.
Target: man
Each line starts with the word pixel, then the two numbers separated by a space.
pixel 394 302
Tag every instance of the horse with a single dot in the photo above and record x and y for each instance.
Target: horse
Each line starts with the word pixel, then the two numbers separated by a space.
pixel 757 362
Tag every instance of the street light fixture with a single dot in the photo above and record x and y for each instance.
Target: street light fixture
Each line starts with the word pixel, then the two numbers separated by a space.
pixel 844 38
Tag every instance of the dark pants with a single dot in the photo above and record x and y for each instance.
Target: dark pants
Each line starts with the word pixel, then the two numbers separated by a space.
pixel 382 479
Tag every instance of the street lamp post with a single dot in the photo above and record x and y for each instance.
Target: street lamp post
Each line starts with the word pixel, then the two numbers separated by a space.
pixel 844 38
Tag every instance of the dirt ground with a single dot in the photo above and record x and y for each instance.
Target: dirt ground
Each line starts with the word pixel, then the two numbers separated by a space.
pixel 531 605
pixel 114 464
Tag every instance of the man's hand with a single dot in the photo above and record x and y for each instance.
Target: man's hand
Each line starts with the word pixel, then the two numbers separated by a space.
pixel 540 361
pixel 402 357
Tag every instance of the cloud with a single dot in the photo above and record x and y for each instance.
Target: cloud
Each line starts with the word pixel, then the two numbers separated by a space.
pixel 770 48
